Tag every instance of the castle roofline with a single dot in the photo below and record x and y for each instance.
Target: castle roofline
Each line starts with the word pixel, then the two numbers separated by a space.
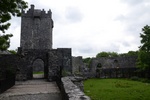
pixel 36 12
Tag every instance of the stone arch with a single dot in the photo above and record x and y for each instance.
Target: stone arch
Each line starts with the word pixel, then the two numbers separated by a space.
pixel 30 56
pixel 38 68
pixel 99 65
pixel 42 58
pixel 98 69
pixel 116 63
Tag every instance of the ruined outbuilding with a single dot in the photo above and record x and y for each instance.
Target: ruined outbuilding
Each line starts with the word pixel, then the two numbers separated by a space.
pixel 111 67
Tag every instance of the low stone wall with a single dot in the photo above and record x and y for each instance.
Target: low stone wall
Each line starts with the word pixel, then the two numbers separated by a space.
pixel 72 91
pixel 116 72
pixel 6 83
pixel 7 71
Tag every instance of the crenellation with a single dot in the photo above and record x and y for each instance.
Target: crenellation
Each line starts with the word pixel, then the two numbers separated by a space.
pixel 37 13
pixel 49 13
pixel 43 12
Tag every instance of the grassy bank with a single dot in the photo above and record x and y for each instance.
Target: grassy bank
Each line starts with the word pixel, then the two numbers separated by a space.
pixel 116 89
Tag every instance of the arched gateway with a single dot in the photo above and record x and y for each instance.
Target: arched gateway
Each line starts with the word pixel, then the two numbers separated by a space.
pixel 36 43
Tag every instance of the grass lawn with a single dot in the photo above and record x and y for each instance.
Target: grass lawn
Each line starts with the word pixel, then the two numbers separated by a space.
pixel 38 72
pixel 116 89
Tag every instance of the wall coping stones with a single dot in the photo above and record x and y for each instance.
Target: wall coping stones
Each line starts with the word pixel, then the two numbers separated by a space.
pixel 73 91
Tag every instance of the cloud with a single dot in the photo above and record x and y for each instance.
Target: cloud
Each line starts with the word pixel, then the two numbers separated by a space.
pixel 73 14
pixel 89 27
pixel 134 2
pixel 135 17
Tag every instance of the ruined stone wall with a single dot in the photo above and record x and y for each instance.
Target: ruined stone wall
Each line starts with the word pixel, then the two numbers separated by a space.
pixel 79 68
pixel 28 56
pixel 113 63
pixel 56 61
pixel 36 29
pixel 66 60
pixel 77 64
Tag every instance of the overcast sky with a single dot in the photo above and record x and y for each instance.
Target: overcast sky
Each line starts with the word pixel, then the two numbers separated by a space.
pixel 92 26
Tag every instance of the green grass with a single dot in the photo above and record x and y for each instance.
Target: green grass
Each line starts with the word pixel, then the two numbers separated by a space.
pixel 116 89
pixel 38 72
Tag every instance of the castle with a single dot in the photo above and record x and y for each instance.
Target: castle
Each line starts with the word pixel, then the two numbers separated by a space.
pixel 35 44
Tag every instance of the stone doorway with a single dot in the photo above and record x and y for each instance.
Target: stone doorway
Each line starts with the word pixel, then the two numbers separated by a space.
pixel 98 70
pixel 38 69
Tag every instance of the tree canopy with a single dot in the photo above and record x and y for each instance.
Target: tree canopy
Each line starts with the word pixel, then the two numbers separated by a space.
pixel 5 41
pixel 8 8
pixel 87 61
pixel 144 49
pixel 130 53
pixel 106 54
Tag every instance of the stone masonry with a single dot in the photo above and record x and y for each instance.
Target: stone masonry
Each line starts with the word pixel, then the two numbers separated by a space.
pixel 36 29
pixel 36 43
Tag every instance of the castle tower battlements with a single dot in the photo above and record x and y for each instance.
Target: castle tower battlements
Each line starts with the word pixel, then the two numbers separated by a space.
pixel 36 13
pixel 36 29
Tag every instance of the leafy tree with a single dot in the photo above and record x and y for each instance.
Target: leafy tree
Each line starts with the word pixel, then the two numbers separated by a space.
pixel 87 61
pixel 145 41
pixel 113 54
pixel 144 51
pixel 130 53
pixel 106 54
pixel 102 54
pixel 8 8
pixel 5 41
pixel 144 60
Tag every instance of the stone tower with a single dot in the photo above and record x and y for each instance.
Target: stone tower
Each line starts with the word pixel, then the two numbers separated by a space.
pixel 36 29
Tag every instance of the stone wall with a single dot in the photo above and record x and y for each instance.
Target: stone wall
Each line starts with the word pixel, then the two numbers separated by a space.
pixel 79 68
pixel 65 55
pixel 112 63
pixel 77 64
pixel 56 61
pixel 28 56
pixel 8 62
pixel 8 66
pixel 71 91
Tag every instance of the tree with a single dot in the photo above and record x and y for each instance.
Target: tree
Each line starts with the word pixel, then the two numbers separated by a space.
pixel 130 53
pixel 106 54
pixel 113 54
pixel 144 49
pixel 87 61
pixel 4 41
pixel 102 54
pixel 8 8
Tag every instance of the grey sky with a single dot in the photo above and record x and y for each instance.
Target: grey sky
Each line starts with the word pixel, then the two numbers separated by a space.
pixel 92 26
